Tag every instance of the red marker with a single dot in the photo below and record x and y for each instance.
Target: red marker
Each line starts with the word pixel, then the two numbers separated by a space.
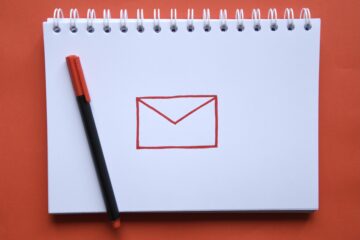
pixel 83 99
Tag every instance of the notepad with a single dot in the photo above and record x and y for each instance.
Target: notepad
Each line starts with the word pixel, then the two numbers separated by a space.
pixel 194 114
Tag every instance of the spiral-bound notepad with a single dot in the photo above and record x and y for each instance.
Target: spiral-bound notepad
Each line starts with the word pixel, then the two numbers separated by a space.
pixel 205 113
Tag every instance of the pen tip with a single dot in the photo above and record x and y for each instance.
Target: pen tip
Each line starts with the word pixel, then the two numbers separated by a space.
pixel 116 224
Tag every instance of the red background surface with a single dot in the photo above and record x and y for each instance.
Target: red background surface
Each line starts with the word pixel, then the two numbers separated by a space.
pixel 23 149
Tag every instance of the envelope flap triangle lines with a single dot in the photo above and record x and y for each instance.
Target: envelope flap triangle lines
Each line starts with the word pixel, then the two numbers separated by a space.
pixel 177 108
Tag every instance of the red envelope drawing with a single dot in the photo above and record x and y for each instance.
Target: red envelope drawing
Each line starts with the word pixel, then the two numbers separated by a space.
pixel 183 121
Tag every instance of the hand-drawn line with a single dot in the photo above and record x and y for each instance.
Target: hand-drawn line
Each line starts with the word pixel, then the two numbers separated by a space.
pixel 180 119
pixel 139 100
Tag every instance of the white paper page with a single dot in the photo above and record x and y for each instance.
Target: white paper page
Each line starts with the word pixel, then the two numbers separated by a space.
pixel 262 149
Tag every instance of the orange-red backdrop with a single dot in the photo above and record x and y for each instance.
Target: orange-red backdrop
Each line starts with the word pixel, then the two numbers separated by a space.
pixel 23 149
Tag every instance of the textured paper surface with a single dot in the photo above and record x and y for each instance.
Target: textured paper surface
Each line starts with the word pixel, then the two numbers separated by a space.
pixel 267 88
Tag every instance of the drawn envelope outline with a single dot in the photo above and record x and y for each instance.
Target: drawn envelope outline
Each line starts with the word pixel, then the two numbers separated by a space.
pixel 209 99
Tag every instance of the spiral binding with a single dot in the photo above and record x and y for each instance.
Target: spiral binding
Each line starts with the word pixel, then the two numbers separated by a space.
pixel 74 15
pixel 157 27
pixel 123 19
pixel 140 20
pixel 223 17
pixel 58 14
pixel 223 20
pixel 305 14
pixel 206 20
pixel 289 16
pixel 256 17
pixel 190 20
pixel 90 16
pixel 173 24
pixel 239 16
pixel 272 16
pixel 106 20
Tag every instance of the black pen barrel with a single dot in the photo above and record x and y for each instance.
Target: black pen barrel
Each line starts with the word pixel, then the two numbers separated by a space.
pixel 98 158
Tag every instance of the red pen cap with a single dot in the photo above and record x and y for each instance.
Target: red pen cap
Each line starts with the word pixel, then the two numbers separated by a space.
pixel 77 76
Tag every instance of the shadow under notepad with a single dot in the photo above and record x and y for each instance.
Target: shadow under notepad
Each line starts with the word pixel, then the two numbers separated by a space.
pixel 187 217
